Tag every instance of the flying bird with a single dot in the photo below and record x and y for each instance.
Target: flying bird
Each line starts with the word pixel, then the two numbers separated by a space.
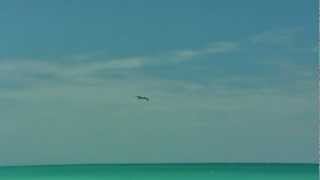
pixel 142 98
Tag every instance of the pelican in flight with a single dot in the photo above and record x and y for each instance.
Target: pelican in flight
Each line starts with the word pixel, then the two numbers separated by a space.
pixel 142 98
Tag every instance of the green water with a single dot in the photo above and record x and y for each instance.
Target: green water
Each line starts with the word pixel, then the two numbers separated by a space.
pixel 163 172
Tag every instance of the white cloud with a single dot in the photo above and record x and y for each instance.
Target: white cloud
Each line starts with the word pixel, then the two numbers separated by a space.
pixel 14 69
pixel 286 36
pixel 187 53
pixel 78 69
pixel 211 49
pixel 128 63
pixel 221 47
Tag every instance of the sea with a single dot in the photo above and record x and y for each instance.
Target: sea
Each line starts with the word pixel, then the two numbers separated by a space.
pixel 215 171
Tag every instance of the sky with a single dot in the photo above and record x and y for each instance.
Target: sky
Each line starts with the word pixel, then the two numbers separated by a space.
pixel 228 81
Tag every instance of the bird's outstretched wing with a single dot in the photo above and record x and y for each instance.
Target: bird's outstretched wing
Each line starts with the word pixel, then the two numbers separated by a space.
pixel 143 98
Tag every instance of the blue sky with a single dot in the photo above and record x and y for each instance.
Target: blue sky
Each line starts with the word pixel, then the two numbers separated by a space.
pixel 228 81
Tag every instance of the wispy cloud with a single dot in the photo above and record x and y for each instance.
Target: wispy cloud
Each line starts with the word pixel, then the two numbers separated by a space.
pixel 96 67
pixel 211 49
pixel 128 63
pixel 83 68
pixel 284 36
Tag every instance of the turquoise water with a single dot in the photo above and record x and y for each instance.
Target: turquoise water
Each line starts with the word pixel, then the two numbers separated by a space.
pixel 164 172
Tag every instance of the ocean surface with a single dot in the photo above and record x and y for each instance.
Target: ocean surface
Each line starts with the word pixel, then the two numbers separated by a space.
pixel 163 172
